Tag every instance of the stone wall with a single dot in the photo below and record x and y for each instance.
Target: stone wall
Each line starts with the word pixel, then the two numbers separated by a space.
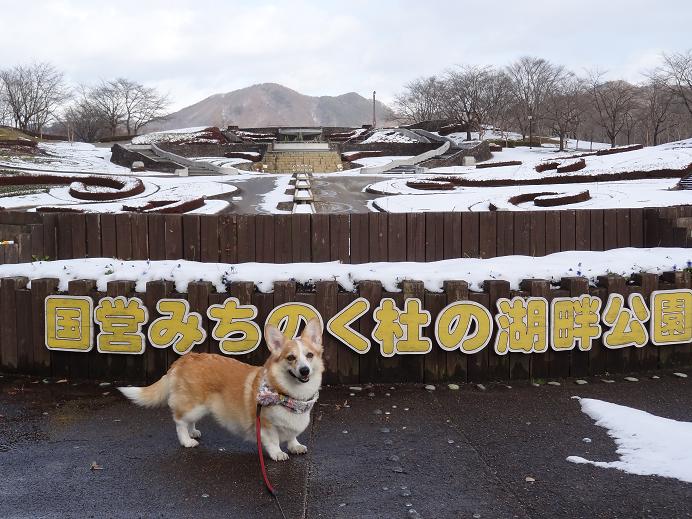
pixel 389 148
pixel 213 150
pixel 124 157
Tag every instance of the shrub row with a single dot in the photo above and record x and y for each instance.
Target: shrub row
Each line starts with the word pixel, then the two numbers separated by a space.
pixel 485 165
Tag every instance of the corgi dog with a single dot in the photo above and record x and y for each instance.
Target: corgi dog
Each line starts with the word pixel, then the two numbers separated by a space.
pixel 286 387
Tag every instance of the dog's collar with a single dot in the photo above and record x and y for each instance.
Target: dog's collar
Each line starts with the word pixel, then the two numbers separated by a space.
pixel 267 396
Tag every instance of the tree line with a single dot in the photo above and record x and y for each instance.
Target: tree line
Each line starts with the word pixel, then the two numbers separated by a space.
pixel 36 97
pixel 533 93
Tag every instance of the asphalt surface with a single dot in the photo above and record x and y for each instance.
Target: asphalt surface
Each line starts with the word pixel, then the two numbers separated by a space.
pixel 381 452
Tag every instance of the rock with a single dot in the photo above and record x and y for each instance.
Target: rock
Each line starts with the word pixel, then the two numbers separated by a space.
pixel 398 470
pixel 377 411
pixel 655 377
pixel 586 440
pixel 104 384
pixel 384 430
pixel 476 516
pixel 607 381
pixel 631 379
pixel 680 375
pixel 580 382
pixel 405 408
pixel 344 431
pixel 387 413
pixel 450 442
pixel 406 493
pixel 351 394
pixel 387 394
pixel 553 383
pixel 411 511
pixel 393 407
pixel 137 165
pixel 529 479
pixel 393 458
pixel 355 388
pixel 535 384
pixel 430 387
pixel 371 394
pixel 205 495
pixel 453 387
pixel 481 387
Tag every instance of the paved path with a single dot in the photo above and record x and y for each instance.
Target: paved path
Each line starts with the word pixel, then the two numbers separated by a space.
pixel 442 454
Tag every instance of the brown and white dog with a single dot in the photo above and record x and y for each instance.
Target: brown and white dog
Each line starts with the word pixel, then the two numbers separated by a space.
pixel 287 385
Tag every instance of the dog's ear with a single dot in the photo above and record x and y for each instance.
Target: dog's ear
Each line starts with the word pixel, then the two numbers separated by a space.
pixel 313 332
pixel 275 339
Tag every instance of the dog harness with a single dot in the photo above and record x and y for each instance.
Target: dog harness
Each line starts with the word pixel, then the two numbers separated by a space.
pixel 267 396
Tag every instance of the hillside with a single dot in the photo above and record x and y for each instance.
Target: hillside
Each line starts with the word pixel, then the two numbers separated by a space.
pixel 270 104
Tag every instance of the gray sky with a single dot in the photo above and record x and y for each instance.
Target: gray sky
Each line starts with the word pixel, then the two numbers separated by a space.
pixel 192 49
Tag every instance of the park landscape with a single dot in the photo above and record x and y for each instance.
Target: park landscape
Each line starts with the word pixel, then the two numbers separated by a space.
pixel 497 251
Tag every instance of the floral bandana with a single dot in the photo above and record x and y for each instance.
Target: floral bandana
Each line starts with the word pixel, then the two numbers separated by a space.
pixel 266 396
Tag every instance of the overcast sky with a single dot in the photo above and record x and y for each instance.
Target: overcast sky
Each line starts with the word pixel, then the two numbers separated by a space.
pixel 192 49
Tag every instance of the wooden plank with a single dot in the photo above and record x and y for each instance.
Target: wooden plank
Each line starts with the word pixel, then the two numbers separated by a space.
pixel 470 235
pixel 320 237
pixel 191 237
pixel 264 304
pixel 50 247
pixel 37 249
pixel 140 236
pixel 283 238
pixel 198 297
pixel 435 362
pixel 487 234
pixel 209 250
pixel 377 236
pixel 40 289
pixel 648 355
pixel 93 234
pixel 637 227
pixel 652 235
pixel 622 217
pixel 302 238
pixel 123 236
pixel 64 236
pixel 155 359
pixel 505 233
pixel 9 355
pixel 498 365
pixel 539 363
pixel 457 362
pixel 360 238
pixel 598 353
pixel 246 238
pixel 339 237
pixel 24 247
pixel 78 361
pixel 552 232
pixel 478 363
pixel 156 229
pixel 676 355
pixel 412 366
pixel 522 233
pixel 347 359
pixel 367 363
pixel 264 238
pixel 616 360
pixel 582 230
pixel 228 239
pixel 244 291
pixel 327 305
pixel 396 237
pixel 79 235
pixel 415 237
pixel 537 233
pixel 390 369
pixel 11 253
pixel 174 236
pixel 24 324
pixel 577 286
pixel 596 228
pixel 108 238
pixel 121 367
pixel 434 236
pixel 567 230
pixel 610 240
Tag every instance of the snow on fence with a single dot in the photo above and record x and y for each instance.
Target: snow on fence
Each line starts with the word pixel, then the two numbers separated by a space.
pixel 350 238
pixel 437 347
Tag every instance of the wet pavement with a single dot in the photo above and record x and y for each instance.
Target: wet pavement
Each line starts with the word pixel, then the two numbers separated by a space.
pixel 379 452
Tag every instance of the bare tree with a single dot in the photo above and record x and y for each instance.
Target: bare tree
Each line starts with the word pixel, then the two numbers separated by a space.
pixel 82 119
pixel 33 94
pixel 107 99
pixel 656 101
pixel 677 70
pixel 420 100
pixel 531 79
pixel 564 105
pixel 613 102
pixel 141 104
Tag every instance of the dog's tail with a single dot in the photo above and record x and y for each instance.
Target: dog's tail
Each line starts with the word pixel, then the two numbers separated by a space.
pixel 150 396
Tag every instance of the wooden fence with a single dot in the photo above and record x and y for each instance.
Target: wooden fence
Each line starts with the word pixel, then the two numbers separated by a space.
pixel 22 341
pixel 350 238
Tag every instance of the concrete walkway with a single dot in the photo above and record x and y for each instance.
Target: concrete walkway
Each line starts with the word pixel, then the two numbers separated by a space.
pixel 381 452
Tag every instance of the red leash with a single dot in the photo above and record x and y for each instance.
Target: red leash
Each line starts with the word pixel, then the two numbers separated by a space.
pixel 258 429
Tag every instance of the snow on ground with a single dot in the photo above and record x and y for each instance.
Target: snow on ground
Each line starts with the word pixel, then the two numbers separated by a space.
pixel 388 136
pixel 181 134
pixel 590 264
pixel 604 195
pixel 276 195
pixel 648 445
pixel 222 162
pixel 675 155
pixel 67 157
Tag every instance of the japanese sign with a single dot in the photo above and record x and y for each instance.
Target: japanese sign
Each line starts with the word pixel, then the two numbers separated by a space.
pixel 122 325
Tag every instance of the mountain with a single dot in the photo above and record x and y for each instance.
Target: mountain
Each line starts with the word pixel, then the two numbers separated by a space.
pixel 270 104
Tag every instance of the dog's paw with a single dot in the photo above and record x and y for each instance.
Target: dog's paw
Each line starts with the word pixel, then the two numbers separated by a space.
pixel 279 456
pixel 190 443
pixel 195 433
pixel 298 448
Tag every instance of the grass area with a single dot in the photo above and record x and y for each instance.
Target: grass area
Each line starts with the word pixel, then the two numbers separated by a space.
pixel 7 133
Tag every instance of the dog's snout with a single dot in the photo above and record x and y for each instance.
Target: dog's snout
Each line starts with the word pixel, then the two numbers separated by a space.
pixel 304 371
